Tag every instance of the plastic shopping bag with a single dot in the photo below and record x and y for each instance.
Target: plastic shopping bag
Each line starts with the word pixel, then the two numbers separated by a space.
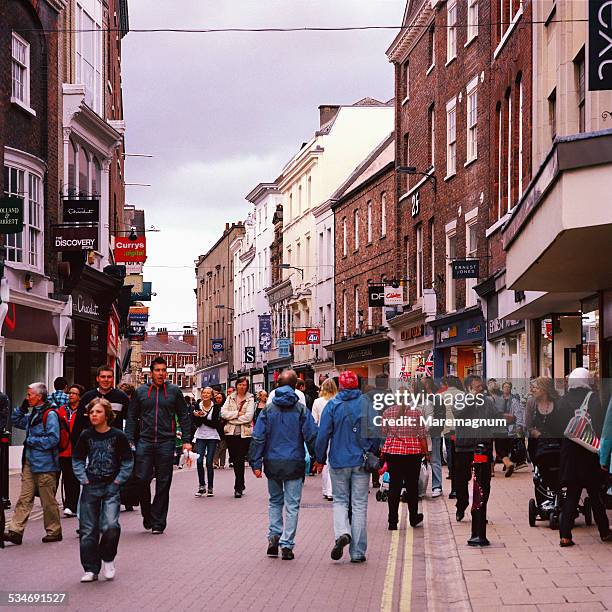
pixel 423 478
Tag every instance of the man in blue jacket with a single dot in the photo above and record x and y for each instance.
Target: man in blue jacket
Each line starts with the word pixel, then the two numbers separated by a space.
pixel 40 465
pixel 152 411
pixel 343 430
pixel 278 441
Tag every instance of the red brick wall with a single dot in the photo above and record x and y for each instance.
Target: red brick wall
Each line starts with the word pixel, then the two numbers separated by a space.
pixel 372 261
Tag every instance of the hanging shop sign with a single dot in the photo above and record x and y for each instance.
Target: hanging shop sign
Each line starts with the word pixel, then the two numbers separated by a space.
pixel 11 215
pixel 466 268
pixel 84 306
pixel 217 345
pixel 376 296
pixel 136 331
pixel 130 251
pixel 249 354
pixel 81 211
pixel 74 238
pixel 313 335
pixel 299 337
pixel 600 45
pixel 377 350
pixel 284 347
pixel 265 333
pixel 144 295
pixel 394 296
pixel 139 313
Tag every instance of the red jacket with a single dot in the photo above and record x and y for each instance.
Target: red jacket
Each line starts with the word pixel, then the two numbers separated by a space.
pixel 64 413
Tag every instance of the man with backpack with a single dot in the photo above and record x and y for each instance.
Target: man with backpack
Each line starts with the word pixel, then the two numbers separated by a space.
pixel 40 465
pixel 59 397
pixel 278 441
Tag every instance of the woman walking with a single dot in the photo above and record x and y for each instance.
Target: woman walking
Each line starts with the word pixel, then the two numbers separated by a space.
pixel 327 391
pixel 206 420
pixel 260 404
pixel 71 485
pixel 219 458
pixel 238 411
pixel 404 449
pixel 579 466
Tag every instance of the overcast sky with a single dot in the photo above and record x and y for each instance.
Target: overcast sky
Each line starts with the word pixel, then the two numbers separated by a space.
pixel 221 112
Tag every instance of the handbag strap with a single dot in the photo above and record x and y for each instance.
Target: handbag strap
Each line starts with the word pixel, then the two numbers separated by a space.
pixel 583 410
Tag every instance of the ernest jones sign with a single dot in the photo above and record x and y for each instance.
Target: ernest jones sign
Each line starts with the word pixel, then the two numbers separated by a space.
pixel 74 238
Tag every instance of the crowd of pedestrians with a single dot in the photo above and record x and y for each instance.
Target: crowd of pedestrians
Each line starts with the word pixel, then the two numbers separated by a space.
pixel 107 439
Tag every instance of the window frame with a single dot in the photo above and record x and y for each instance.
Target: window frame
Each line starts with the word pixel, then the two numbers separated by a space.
pixel 96 103
pixel 419 261
pixel 25 66
pixel 369 221
pixel 451 137
pixel 383 214
pixel 472 120
pixel 451 283
pixel 451 31
pixel 471 220
pixel 431 112
pixel 356 229
pixel 472 21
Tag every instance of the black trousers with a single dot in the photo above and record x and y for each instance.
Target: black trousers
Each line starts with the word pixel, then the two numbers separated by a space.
pixel 462 474
pixel 404 470
pixel 238 450
pixel 571 503
pixel 72 487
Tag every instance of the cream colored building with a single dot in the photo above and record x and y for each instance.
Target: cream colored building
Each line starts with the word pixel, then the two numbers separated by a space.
pixel 345 136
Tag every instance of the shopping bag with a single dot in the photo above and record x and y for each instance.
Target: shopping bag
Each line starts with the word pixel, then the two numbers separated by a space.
pixel 188 459
pixel 580 429
pixel 423 478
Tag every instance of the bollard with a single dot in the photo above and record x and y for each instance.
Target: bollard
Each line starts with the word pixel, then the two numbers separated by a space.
pixel 5 441
pixel 479 506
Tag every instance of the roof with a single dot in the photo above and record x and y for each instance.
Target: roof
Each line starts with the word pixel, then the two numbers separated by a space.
pixel 153 344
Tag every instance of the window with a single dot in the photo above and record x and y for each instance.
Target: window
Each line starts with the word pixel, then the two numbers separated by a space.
pixel 370 309
pixel 471 249
pixel 509 154
pixel 89 53
pixel 406 80
pixel 432 251
pixel 451 30
pixel 406 159
pixel 344 313
pixel 299 203
pixel 369 221
pixel 357 321
pixel 472 120
pixel 432 134
pixel 309 192
pixel 83 172
pixel 451 137
pixel 72 156
pixel 290 206
pixel 356 228
pixel 520 140
pixel 419 261
pixel 96 178
pixel 330 254
pixel 27 246
pixel 344 237
pixel 431 46
pixel 298 254
pixel 580 89
pixel 472 19
pixel 500 172
pixel 383 214
pixel 552 114
pixel 20 91
pixel 451 284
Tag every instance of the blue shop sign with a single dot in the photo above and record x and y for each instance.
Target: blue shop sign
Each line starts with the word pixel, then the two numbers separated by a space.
pixel 284 347
pixel 464 331
pixel 210 378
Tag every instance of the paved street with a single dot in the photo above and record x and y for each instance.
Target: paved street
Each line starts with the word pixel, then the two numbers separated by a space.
pixel 213 556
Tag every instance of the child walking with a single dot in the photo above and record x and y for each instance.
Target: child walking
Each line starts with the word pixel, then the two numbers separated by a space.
pixel 102 461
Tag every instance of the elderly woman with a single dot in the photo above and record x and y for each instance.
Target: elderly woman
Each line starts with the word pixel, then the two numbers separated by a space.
pixel 238 412
pixel 579 467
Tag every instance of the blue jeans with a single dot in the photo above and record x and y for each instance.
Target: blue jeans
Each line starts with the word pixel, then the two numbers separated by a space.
pixel 436 462
pixel 285 494
pixel 206 448
pixel 351 485
pixel 158 458
pixel 100 506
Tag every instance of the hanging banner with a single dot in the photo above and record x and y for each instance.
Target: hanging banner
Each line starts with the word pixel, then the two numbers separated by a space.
pixel 265 333
pixel 130 251
pixel 600 45
pixel 81 211
pixel 11 215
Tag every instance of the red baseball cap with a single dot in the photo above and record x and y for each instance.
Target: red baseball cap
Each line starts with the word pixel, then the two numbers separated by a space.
pixel 348 380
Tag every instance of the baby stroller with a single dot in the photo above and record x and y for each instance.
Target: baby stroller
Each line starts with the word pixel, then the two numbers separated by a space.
pixel 549 496
pixel 383 493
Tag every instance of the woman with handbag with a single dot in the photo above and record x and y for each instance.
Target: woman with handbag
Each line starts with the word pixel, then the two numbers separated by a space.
pixel 238 412
pixel 579 467
pixel 404 448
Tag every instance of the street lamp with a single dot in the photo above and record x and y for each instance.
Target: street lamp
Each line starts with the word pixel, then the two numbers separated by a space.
pixel 412 170
pixel 286 266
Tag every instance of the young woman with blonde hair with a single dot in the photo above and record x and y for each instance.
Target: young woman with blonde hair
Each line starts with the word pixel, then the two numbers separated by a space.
pixel 326 392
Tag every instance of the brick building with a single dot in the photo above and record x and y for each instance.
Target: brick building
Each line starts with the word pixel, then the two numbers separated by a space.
pixel 441 60
pixel 365 224
pixel 180 353
pixel 34 320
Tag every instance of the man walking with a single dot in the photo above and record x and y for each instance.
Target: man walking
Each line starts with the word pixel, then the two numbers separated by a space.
pixel 153 408
pixel 278 439
pixel 341 429
pixel 59 397
pixel 40 465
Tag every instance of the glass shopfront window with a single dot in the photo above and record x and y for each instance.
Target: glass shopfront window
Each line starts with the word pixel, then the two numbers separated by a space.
pixel 560 340
pixel 590 335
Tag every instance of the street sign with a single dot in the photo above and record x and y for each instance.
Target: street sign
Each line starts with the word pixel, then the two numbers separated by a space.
pixel 376 296
pixel 217 345
pixel 313 335
pixel 249 354
pixel 74 238
pixel 466 268
pixel 11 215
pixel 81 211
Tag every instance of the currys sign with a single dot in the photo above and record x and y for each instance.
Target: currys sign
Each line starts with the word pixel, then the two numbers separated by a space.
pixel 130 251
pixel 600 45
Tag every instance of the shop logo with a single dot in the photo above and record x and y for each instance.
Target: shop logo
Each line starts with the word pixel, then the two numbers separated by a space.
pixel 600 45
pixel 83 306
pixel 313 336
pixel 376 296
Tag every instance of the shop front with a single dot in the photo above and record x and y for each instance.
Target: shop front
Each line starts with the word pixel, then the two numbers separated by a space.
pixel 367 356
pixel 459 344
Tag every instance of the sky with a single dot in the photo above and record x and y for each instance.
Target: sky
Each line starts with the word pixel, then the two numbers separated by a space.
pixel 222 112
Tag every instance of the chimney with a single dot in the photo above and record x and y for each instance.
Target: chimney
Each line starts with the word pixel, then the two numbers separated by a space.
pixel 327 112
pixel 162 334
pixel 189 337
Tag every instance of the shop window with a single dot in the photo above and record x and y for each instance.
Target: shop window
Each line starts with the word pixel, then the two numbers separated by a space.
pixel 590 336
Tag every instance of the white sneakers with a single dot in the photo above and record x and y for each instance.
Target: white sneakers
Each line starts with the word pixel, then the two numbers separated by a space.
pixel 436 493
pixel 108 569
pixel 68 512
pixel 89 577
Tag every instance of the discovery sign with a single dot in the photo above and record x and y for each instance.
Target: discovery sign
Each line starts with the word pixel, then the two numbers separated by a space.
pixel 74 238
